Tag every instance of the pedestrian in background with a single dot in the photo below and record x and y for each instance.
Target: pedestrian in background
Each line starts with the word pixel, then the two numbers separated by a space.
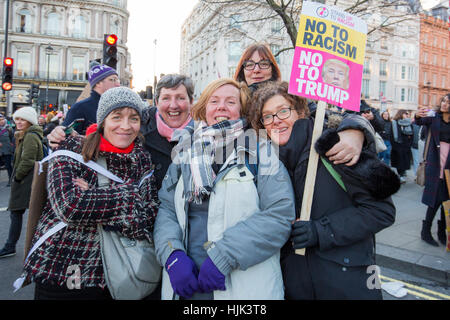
pixel 75 197
pixel 28 138
pixel 402 139
pixel 435 191
pixel 218 231
pixel 386 134
pixel 6 146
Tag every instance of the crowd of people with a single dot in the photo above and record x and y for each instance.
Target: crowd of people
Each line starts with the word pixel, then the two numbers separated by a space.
pixel 216 185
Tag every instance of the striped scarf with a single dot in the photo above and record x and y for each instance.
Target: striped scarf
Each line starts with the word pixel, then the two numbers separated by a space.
pixel 206 140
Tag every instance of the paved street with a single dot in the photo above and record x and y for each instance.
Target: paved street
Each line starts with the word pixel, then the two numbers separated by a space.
pixel 398 248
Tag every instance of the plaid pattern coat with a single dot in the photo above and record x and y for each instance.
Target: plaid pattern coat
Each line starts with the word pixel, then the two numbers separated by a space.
pixel 432 169
pixel 122 207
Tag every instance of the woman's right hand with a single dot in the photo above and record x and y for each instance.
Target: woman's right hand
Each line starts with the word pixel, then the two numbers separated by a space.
pixel 422 112
pixel 182 273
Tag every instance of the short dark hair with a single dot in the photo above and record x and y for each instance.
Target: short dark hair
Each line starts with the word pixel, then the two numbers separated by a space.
pixel 174 81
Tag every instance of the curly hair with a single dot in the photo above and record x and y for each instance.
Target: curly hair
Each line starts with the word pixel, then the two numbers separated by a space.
pixel 269 90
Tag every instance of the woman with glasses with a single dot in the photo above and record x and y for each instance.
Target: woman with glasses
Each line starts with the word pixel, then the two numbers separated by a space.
pixel 346 212
pixel 257 65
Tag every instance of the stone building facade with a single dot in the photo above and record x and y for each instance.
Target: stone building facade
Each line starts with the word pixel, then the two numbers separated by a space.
pixel 52 43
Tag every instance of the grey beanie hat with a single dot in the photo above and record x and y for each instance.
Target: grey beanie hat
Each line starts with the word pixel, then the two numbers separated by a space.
pixel 115 98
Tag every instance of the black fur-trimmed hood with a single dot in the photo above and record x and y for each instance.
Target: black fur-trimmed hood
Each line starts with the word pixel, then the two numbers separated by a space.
pixel 374 175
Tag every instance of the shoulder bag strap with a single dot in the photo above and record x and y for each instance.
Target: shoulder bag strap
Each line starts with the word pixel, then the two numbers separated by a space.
pixel 427 145
pixel 334 173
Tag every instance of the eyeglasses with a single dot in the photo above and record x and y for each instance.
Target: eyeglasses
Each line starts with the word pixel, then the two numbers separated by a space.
pixel 263 64
pixel 281 114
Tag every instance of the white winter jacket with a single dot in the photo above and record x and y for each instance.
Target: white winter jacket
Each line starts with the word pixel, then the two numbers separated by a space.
pixel 247 224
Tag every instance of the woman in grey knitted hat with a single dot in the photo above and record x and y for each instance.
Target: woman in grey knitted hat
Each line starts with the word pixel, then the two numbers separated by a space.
pixel 78 197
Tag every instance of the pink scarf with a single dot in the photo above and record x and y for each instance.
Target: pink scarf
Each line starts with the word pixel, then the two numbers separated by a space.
pixel 166 131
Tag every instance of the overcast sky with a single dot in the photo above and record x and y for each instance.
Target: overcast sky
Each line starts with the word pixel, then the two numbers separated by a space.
pixel 161 20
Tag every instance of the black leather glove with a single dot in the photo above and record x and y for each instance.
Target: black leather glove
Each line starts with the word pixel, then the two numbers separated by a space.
pixel 304 235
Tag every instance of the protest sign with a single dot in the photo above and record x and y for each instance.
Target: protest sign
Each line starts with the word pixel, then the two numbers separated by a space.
pixel 328 65
pixel 329 56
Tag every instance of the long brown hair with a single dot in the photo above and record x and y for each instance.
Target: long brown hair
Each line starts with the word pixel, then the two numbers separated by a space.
pixel 399 114
pixel 265 53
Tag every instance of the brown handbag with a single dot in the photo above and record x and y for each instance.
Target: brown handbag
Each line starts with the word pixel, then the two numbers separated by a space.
pixel 420 174
pixel 37 201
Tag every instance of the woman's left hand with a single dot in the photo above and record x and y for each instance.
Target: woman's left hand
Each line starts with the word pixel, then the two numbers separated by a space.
pixel 80 183
pixel 348 149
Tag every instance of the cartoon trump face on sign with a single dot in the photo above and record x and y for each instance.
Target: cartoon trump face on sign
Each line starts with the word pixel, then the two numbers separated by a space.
pixel 336 72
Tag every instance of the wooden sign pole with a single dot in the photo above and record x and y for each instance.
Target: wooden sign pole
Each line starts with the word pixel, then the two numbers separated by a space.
pixel 313 161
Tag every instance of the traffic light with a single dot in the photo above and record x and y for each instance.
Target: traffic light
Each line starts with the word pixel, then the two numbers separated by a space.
pixel 34 91
pixel 7 80
pixel 110 50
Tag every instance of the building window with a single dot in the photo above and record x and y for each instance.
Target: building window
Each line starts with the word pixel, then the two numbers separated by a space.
pixel 53 24
pixel 410 95
pixel 411 73
pixel 366 68
pixel 80 27
pixel 434 79
pixel 25 21
pixel 275 48
pixel 23 64
pixel 383 88
pixel 403 74
pixel 383 67
pixel 383 44
pixel 425 78
pixel 78 68
pixel 444 81
pixel 425 57
pixel 444 61
pixel 402 94
pixel 425 99
pixel 234 51
pixel 276 26
pixel 365 88
pixel 235 21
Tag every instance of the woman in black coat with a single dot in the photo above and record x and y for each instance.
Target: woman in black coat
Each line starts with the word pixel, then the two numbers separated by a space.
pixel 339 238
pixel 386 134
pixel 402 140
pixel 435 191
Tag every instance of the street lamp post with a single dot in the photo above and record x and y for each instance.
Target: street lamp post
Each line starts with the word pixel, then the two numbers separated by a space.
pixel 48 51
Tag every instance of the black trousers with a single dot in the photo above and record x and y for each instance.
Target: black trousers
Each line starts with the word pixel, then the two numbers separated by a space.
pixel 311 277
pixel 15 228
pixel 53 292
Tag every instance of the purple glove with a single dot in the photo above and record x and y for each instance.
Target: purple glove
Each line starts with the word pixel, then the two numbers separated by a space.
pixel 210 278
pixel 182 273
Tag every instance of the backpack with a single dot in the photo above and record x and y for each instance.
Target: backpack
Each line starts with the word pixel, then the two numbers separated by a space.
pixel 45 147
